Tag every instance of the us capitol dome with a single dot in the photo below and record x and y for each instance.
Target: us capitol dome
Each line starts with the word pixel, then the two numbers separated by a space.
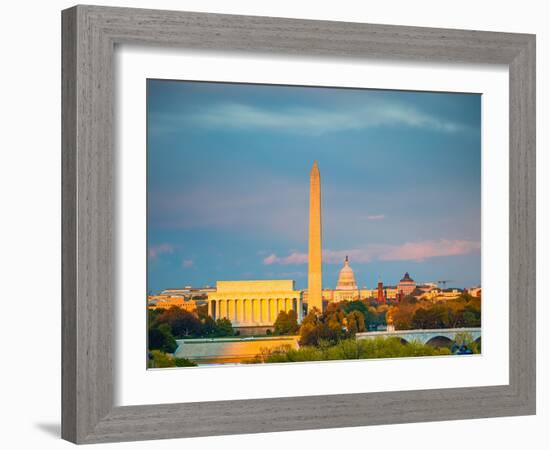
pixel 346 279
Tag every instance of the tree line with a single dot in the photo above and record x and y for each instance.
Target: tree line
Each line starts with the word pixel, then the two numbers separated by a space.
pixel 348 349
pixel 338 323
pixel 165 326
pixel 464 311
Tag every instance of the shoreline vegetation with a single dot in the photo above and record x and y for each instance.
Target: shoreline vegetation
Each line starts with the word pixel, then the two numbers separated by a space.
pixel 348 349
pixel 326 336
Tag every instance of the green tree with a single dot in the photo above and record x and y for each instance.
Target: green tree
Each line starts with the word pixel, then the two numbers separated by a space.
pixel 184 362
pixel 470 319
pixel 159 359
pixel 429 318
pixel 152 315
pixel 371 317
pixel 463 339
pixel 202 312
pixel 454 317
pixel 316 334
pixel 355 323
pixel 208 326
pixel 349 349
pixel 472 313
pixel 312 317
pixel 356 305
pixel 224 327
pixel 409 300
pixel 280 322
pixel 161 338
pixel 402 316
pixel 286 323
pixel 182 323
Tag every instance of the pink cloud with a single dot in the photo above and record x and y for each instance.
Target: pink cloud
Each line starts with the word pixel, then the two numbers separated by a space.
pixel 409 251
pixel 156 250
pixel 293 258
pixel 419 251
pixel 187 263
pixel 376 217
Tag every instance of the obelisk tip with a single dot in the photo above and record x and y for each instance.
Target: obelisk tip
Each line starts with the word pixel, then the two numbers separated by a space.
pixel 315 168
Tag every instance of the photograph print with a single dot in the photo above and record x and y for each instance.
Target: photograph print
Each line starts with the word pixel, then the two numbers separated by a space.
pixel 304 224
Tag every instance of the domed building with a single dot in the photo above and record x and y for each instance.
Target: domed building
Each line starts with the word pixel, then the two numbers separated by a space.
pixel 406 285
pixel 346 279
pixel 346 288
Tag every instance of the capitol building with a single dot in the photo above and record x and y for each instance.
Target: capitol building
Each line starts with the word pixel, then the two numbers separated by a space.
pixel 348 290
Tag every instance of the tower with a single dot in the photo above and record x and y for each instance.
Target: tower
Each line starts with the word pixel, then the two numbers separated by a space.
pixel 380 295
pixel 314 276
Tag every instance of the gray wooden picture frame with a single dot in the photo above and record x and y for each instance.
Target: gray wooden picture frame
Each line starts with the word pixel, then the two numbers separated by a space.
pixel 90 34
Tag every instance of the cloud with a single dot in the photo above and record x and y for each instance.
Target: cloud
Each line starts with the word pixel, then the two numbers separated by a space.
pixel 304 120
pixel 187 263
pixel 419 251
pixel 409 251
pixel 293 258
pixel 155 251
pixel 376 217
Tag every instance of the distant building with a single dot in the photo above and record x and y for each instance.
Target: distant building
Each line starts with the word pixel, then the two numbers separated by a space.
pixel 346 287
pixel 189 292
pixel 348 290
pixel 346 278
pixel 406 285
pixel 425 287
pixel 438 295
pixel 169 301
pixel 474 292
pixel 380 293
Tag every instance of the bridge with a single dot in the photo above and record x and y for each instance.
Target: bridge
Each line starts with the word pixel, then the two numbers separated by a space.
pixel 435 337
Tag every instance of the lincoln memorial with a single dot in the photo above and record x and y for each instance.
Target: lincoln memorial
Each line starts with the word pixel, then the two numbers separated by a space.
pixel 254 303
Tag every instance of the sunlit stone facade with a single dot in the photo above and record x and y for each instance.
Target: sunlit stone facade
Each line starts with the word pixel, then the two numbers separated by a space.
pixel 346 278
pixel 314 274
pixel 254 303
pixel 348 290
pixel 170 301
pixel 346 287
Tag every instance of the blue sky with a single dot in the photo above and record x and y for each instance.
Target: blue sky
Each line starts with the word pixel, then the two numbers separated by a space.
pixel 228 181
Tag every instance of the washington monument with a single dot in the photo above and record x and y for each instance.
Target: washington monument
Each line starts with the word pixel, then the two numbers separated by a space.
pixel 314 277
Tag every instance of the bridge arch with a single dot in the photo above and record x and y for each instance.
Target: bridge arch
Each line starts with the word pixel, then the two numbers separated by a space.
pixel 440 341
pixel 435 337
pixel 478 343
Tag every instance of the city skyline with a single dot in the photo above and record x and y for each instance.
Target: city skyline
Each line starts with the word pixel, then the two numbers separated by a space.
pixel 228 185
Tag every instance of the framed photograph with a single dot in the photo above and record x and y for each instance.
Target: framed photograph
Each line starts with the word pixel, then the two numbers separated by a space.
pixel 268 222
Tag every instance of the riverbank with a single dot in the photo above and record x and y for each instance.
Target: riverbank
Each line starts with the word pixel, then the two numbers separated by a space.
pixel 231 349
